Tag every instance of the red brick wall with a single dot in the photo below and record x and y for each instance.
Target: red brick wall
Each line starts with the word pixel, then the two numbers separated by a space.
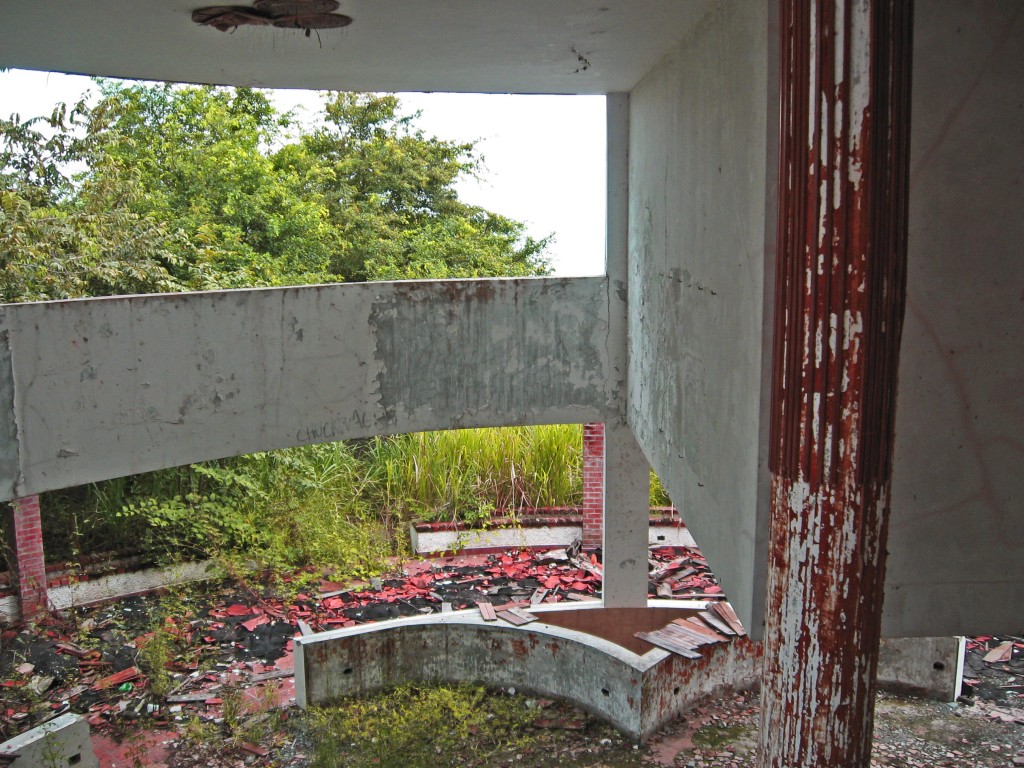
pixel 30 567
pixel 593 484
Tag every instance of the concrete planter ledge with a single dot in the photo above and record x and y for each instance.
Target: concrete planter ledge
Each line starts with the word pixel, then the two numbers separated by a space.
pixel 635 692
pixel 559 528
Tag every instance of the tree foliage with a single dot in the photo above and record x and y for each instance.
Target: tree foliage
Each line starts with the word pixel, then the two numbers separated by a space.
pixel 170 188
pixel 158 188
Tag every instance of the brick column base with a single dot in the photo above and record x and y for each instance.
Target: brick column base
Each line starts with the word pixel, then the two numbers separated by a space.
pixel 26 542
pixel 593 485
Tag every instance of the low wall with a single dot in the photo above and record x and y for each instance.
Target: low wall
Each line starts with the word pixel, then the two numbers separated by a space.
pixel 115 585
pixel 635 693
pixel 528 532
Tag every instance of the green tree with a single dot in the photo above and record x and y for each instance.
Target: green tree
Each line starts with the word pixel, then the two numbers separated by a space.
pixel 390 192
pixel 61 237
pixel 167 188
pixel 171 188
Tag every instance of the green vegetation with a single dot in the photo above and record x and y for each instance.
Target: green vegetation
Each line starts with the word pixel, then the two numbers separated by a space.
pixel 413 727
pixel 171 188
pixel 344 505
pixel 717 736
pixel 157 188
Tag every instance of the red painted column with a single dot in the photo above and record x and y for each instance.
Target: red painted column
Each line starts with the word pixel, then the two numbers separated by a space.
pixel 840 292
pixel 30 566
pixel 593 485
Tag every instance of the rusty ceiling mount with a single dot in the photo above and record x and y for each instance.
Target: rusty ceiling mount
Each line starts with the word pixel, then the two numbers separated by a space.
pixel 283 14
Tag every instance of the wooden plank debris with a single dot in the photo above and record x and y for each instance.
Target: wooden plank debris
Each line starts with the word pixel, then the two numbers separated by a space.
pixel 725 612
pixel 516 617
pixel 671 640
pixel 487 611
pixel 699 635
pixel 699 626
pixel 1002 652
pixel 191 698
pixel 275 674
pixel 715 623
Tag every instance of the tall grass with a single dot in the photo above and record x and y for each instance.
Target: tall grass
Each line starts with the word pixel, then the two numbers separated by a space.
pixel 341 504
pixel 468 474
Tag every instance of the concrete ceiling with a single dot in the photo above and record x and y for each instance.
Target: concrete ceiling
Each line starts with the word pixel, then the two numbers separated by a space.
pixel 515 46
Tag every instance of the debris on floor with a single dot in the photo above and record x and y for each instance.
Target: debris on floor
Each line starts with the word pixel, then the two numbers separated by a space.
pixel 88 660
pixel 225 655
pixel 994 672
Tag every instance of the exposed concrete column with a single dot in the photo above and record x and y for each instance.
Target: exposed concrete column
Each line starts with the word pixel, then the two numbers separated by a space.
pixel 627 502
pixel 26 542
pixel 593 484
pixel 626 471
pixel 840 293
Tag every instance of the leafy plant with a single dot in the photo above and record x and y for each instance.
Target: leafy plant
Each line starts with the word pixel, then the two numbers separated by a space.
pixel 417 726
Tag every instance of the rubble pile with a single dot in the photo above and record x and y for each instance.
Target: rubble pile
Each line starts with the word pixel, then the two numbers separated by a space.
pixel 231 638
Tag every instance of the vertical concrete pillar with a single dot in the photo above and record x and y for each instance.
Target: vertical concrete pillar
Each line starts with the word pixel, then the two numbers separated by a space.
pixel 840 292
pixel 626 478
pixel 627 507
pixel 593 485
pixel 26 543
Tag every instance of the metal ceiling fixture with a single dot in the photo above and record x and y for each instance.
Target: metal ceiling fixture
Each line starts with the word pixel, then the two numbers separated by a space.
pixel 285 14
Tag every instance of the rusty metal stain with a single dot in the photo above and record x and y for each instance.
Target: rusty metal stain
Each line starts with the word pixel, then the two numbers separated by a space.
pixel 840 292
pixel 519 648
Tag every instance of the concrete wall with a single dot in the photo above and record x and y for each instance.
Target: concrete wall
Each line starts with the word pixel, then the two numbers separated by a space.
pixel 956 537
pixel 635 693
pixel 102 388
pixel 60 743
pixel 697 188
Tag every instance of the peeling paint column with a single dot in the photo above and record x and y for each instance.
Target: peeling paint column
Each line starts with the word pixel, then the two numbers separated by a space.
pixel 840 292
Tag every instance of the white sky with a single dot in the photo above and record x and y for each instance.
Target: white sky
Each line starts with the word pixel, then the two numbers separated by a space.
pixel 544 155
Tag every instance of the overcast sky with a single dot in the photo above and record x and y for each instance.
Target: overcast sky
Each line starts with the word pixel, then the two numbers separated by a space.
pixel 544 155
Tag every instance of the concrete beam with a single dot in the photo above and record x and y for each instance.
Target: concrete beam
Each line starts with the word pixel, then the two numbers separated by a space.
pixel 102 388
pixel 697 157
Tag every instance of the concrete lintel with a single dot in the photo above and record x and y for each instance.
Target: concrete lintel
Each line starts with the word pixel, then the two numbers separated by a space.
pixel 109 387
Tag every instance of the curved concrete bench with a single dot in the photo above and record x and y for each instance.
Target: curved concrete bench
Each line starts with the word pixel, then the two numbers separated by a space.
pixel 635 693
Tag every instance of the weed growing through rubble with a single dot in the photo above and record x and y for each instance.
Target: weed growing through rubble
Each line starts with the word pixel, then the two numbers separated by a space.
pixel 232 708
pixel 155 655
pixel 716 736
pixel 418 727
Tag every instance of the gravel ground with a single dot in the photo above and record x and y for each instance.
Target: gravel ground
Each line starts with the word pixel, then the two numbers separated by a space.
pixel 909 733
pixel 723 733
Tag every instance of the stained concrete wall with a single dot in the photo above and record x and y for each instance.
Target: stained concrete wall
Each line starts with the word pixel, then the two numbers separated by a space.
pixel 636 693
pixel 102 388
pixel 697 188
pixel 956 537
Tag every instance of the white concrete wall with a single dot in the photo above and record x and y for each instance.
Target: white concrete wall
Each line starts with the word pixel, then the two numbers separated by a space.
pixel 116 585
pixel 956 537
pixel 697 191
pixel 102 388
